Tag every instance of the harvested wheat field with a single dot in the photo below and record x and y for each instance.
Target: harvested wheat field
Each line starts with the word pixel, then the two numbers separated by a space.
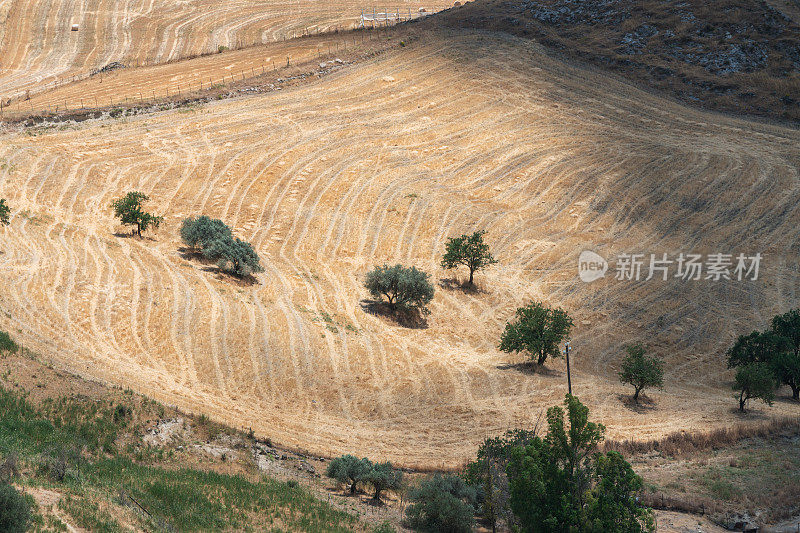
pixel 37 45
pixel 379 163
pixel 160 82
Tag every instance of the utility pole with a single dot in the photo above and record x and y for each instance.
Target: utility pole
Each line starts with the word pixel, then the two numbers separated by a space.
pixel 569 378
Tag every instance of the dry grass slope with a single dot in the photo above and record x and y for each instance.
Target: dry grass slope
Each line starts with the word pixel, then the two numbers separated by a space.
pixel 330 178
pixel 37 46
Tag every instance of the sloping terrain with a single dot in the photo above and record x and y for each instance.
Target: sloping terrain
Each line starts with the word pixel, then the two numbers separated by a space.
pixel 381 162
pixel 37 45
pixel 740 56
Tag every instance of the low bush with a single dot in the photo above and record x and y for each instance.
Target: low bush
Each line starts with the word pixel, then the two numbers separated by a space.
pixel 442 504
pixel 15 512
pixel 7 344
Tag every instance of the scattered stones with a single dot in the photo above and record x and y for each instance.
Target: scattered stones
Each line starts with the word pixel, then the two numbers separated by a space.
pixel 739 522
pixel 635 41
pixel 166 431
pixel 582 12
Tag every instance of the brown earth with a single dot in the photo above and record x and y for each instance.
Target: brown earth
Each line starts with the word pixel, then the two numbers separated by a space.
pixel 736 56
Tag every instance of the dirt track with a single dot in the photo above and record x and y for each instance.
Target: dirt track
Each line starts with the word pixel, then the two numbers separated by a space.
pixel 381 162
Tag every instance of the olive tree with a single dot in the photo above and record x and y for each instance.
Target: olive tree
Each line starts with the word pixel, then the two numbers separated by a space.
pixel 757 347
pixel 404 288
pixel 348 469
pixel 202 231
pixel 442 503
pixel 538 330
pixel 129 210
pixel 382 476
pixel 786 364
pixel 234 256
pixel 641 371
pixel 5 212
pixel 754 381
pixel 469 251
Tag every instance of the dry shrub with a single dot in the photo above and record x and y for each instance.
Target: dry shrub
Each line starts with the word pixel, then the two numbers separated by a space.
pixel 681 443
pixel 696 506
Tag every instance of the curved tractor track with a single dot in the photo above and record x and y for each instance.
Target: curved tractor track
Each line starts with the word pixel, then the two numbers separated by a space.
pixel 37 46
pixel 381 162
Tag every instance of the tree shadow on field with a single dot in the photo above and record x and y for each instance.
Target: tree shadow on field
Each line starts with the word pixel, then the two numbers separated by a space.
pixel 751 412
pixel 412 319
pixel 779 398
pixel 132 235
pixel 646 404
pixel 210 266
pixel 454 284
pixel 532 369
pixel 190 254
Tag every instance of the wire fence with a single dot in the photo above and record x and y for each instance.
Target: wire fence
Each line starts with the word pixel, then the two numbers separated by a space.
pixel 200 88
pixel 15 105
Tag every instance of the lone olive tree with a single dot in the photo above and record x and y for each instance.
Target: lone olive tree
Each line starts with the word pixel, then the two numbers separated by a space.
pixel 383 476
pixel 538 331
pixel 234 256
pixel 641 371
pixel 200 232
pixel 5 212
pixel 405 288
pixel 469 251
pixel 129 210
pixel 348 469
pixel 754 381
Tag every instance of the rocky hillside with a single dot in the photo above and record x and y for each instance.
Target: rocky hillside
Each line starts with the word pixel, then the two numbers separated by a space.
pixel 740 56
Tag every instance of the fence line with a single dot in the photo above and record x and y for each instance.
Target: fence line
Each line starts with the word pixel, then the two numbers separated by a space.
pixel 18 108
pixel 375 18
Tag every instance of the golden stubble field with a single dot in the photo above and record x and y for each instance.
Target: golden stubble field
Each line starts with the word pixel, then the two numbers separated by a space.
pixel 378 163
pixel 37 45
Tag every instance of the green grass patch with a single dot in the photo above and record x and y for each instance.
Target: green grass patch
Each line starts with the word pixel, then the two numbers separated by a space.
pixel 194 500
pixel 56 437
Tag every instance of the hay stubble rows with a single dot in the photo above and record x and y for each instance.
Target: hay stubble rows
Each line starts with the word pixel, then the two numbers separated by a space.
pixel 329 178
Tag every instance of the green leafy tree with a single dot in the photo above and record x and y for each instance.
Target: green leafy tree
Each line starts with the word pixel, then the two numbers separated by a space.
pixel 382 476
pixel 234 256
pixel 5 212
pixel 612 504
pixel 786 364
pixel 757 347
pixel 488 472
pixel 442 504
pixel 129 210
pixel 754 381
pixel 199 232
pixel 469 251
pixel 15 512
pixel 7 344
pixel 641 371
pixel 348 469
pixel 560 482
pixel 403 287
pixel 538 330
